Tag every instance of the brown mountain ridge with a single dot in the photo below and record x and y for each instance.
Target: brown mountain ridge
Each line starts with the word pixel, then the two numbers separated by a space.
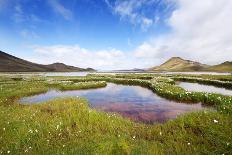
pixel 9 63
pixel 177 64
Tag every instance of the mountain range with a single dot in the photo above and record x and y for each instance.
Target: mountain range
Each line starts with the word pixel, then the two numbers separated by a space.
pixel 9 63
pixel 177 64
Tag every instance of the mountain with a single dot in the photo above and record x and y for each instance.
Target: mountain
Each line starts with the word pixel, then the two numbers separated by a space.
pixel 223 67
pixel 60 67
pixel 179 64
pixel 9 63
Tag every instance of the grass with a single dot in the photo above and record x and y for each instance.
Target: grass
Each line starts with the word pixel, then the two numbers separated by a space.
pixel 69 126
pixel 82 85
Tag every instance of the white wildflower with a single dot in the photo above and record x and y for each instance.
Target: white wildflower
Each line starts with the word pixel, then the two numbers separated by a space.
pixel 215 121
pixel 188 143
pixel 8 151
pixel 160 133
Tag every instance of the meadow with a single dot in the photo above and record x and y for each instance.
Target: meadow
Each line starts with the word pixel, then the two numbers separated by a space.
pixel 70 126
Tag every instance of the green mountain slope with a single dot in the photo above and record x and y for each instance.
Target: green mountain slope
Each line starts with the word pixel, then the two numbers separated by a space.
pixel 9 63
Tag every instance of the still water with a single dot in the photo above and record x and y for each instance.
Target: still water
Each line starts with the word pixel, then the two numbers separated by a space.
pixel 204 88
pixel 137 103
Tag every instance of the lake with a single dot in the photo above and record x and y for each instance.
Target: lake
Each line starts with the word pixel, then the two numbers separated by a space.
pixel 204 88
pixel 134 102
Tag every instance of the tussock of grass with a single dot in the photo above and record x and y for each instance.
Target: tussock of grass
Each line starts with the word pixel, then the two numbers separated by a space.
pixel 82 85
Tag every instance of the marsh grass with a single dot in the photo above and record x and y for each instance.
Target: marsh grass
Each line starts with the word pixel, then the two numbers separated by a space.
pixel 82 85
pixel 69 126
pixel 165 87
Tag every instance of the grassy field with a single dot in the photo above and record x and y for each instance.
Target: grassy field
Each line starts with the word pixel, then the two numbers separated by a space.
pixel 69 126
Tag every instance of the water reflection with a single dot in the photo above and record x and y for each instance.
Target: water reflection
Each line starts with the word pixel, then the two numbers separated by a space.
pixel 204 88
pixel 137 103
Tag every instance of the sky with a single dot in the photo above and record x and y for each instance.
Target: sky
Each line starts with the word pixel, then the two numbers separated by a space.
pixel 116 34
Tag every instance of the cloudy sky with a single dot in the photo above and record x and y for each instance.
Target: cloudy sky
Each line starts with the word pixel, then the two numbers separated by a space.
pixel 116 34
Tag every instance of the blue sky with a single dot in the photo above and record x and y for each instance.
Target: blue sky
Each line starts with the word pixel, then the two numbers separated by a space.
pixel 105 34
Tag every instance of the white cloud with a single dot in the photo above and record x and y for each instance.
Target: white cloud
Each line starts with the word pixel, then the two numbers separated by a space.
pixel 144 13
pixel 128 10
pixel 146 22
pixel 28 34
pixel 60 9
pixel 201 30
pixel 77 56
pixel 18 14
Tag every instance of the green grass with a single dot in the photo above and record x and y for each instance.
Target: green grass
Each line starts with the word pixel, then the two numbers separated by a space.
pixel 69 126
pixel 82 85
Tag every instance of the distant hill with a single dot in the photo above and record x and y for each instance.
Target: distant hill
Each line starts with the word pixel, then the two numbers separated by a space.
pixel 60 67
pixel 177 64
pixel 225 67
pixel 9 63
